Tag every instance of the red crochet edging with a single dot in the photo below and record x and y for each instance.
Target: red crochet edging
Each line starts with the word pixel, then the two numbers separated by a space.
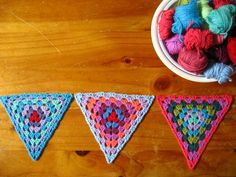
pixel 229 98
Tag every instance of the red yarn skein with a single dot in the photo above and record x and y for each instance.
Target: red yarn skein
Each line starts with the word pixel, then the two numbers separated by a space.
pixel 202 39
pixel 193 60
pixel 219 3
pixel 231 49
pixel 166 23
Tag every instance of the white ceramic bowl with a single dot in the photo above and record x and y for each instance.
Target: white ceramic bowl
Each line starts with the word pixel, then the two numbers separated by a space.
pixel 162 51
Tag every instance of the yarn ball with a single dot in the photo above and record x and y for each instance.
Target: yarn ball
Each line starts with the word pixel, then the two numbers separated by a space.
pixel 166 23
pixel 192 60
pixel 174 44
pixel 219 3
pixel 186 16
pixel 205 8
pixel 219 53
pixel 202 39
pixel 195 38
pixel 231 49
pixel 221 20
pixel 219 71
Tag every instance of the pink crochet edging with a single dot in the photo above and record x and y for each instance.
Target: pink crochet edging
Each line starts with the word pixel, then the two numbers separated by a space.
pixel 229 98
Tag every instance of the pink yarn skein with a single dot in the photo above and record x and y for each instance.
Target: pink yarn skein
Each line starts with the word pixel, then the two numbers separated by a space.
pixel 193 60
pixel 165 23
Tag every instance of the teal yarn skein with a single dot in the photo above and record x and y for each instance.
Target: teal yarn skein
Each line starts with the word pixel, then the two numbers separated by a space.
pixel 205 8
pixel 221 20
pixel 186 16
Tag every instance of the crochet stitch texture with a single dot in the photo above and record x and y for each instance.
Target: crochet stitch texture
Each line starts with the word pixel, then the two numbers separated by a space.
pixel 36 117
pixel 113 118
pixel 193 120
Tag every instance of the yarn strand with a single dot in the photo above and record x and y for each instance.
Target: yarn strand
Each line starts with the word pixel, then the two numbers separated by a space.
pixel 219 71
pixel 205 8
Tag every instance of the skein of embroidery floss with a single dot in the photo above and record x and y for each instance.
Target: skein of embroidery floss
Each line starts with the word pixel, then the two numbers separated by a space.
pixel 205 8
pixel 166 23
pixel 221 20
pixel 231 49
pixel 174 44
pixel 202 39
pixel 219 71
pixel 186 16
pixel 193 60
pixel 195 38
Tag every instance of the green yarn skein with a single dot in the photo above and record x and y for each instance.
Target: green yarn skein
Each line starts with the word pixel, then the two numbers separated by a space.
pixel 221 20
pixel 205 8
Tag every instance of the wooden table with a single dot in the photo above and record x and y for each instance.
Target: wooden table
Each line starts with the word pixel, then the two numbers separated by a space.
pixel 88 46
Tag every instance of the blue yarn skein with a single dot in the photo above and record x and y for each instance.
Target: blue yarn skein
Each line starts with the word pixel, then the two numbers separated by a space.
pixel 219 71
pixel 186 15
pixel 221 20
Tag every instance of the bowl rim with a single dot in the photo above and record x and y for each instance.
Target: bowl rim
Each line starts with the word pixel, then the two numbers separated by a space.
pixel 161 51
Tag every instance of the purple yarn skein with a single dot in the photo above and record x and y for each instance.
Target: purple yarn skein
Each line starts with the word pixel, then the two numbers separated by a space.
pixel 174 44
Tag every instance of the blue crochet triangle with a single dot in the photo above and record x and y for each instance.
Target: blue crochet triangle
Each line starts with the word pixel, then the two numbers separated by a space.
pixel 113 118
pixel 36 117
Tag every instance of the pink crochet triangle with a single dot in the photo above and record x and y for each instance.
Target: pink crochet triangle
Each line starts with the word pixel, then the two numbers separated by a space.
pixel 193 120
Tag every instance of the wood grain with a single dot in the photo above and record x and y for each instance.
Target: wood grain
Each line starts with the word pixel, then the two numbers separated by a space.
pixel 87 46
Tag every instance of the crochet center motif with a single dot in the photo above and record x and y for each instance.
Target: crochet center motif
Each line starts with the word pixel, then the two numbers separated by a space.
pixel 112 118
pixel 193 121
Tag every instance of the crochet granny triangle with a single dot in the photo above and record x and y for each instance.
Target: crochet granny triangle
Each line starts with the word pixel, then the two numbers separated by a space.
pixel 35 117
pixel 113 118
pixel 193 120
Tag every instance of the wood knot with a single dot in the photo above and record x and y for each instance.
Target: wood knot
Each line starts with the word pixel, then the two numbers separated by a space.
pixel 162 83
pixel 82 153
pixel 147 29
pixel 12 128
pixel 126 59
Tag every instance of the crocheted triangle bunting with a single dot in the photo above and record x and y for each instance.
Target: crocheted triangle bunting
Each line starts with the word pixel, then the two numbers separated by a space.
pixel 36 117
pixel 193 120
pixel 113 118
